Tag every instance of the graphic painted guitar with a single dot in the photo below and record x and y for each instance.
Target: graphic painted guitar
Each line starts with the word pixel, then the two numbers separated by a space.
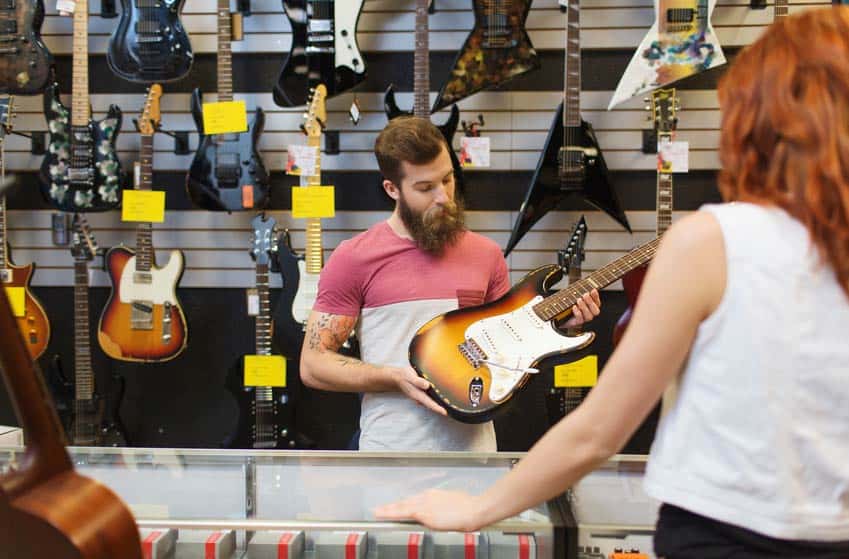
pixel 421 91
pixel 680 43
pixel 81 171
pixel 227 172
pixel 324 50
pixel 150 44
pixel 143 320
pixel 497 50
pixel 83 410
pixel 30 317
pixel 476 358
pixel 572 162
pixel 24 60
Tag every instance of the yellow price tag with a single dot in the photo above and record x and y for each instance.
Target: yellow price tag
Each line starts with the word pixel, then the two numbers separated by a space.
pixel 225 117
pixel 265 370
pixel 17 300
pixel 578 374
pixel 313 201
pixel 143 205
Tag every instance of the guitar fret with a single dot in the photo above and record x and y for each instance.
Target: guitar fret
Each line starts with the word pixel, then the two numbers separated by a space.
pixel 421 61
pixel 83 377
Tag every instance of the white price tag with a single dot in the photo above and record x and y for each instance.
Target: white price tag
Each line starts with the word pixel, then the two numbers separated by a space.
pixel 474 151
pixel 673 157
pixel 301 160
pixel 253 302
pixel 66 7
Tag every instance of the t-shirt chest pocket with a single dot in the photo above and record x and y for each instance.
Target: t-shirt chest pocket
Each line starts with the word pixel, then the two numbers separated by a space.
pixel 469 297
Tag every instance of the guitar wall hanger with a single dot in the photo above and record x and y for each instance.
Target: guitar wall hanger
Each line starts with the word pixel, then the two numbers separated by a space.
pixel 37 141
pixel 472 128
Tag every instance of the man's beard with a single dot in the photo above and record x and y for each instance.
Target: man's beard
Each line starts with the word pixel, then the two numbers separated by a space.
pixel 436 228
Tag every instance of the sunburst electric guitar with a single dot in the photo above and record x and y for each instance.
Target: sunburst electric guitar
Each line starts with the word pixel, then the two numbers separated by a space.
pixel 142 320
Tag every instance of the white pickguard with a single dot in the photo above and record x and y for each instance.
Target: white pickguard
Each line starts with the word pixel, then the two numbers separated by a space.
pixel 513 341
pixel 665 58
pixel 345 20
pixel 306 294
pixel 160 290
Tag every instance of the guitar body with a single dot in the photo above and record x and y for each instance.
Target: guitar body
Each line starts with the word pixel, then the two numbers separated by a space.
pixel 547 189
pixel 150 43
pixel 34 326
pixel 632 282
pixel 448 129
pixel 101 190
pixel 25 62
pixel 506 332
pixel 161 333
pixel 288 330
pixel 495 52
pixel 333 60
pixel 227 172
pixel 90 423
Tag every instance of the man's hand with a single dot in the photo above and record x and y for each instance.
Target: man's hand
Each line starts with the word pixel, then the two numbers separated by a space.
pixel 587 308
pixel 415 388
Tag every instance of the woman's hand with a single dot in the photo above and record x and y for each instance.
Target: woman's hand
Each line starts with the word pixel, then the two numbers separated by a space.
pixel 438 510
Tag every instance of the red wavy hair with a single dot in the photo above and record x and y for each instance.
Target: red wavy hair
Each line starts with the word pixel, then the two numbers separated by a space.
pixel 785 127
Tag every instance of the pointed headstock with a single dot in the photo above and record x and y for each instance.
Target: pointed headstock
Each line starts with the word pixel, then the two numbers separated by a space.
pixel 570 257
pixel 83 245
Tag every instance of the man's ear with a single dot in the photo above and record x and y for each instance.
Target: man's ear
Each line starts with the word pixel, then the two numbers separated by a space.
pixel 391 189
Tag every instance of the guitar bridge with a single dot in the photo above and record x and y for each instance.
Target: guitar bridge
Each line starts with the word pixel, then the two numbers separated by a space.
pixel 166 322
pixel 141 315
pixel 473 353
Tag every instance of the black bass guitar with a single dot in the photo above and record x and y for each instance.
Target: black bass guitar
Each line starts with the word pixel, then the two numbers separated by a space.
pixel 324 50
pixel 150 43
pixel 421 88
pixel 81 171
pixel 83 410
pixel 24 60
pixel 227 173
pixel 497 50
pixel 572 162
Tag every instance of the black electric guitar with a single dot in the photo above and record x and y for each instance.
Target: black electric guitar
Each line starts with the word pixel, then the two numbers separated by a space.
pixel 265 416
pixel 24 60
pixel 324 50
pixel 81 171
pixel 227 173
pixel 497 50
pixel 421 87
pixel 83 410
pixel 572 162
pixel 150 43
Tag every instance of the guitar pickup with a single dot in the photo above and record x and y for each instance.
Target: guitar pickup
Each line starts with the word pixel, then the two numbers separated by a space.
pixel 680 15
pixel 147 39
pixel 320 26
pixel 312 49
pixel 8 26
pixel 81 175
pixel 141 315
pixel 148 27
pixel 143 277
pixel 148 4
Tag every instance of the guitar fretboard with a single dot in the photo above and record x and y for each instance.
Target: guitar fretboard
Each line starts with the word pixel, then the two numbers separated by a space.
pixel 572 70
pixel 314 255
pixel 263 319
pixel 565 299
pixel 80 109
pixel 225 56
pixel 421 63
pixel 84 383
pixel 781 9
pixel 4 257
pixel 144 231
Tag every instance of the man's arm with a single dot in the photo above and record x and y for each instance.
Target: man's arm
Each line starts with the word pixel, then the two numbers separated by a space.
pixel 324 368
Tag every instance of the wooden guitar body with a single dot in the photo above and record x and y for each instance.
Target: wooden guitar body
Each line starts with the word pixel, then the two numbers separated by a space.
pixel 156 303
pixel 25 62
pixel 34 326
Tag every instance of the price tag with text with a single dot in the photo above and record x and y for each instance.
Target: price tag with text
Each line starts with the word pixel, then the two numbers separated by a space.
pixel 673 157
pixel 578 374
pixel 143 205
pixel 474 151
pixel 301 160
pixel 313 201
pixel 265 370
pixel 225 117
pixel 17 300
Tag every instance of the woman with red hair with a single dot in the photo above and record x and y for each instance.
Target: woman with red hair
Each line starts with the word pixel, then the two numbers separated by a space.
pixel 745 312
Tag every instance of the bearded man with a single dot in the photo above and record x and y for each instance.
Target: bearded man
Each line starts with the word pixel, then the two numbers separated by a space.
pixel 391 279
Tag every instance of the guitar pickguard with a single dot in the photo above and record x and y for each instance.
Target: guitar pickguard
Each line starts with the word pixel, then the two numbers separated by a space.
pixel 159 290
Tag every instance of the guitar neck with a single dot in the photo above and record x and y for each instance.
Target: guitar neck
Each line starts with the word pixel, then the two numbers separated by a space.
pixel 780 9
pixel 572 70
pixel 80 108
pixel 4 256
pixel 314 255
pixel 664 202
pixel 555 305
pixel 421 63
pixel 225 57
pixel 263 319
pixel 144 231
pixel 84 385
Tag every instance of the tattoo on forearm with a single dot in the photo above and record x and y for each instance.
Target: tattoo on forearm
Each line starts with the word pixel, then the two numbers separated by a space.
pixel 328 332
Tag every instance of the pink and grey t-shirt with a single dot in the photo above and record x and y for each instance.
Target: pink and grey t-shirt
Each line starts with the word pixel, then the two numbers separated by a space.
pixel 394 288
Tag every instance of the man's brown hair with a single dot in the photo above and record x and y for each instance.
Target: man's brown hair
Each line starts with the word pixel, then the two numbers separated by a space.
pixel 408 138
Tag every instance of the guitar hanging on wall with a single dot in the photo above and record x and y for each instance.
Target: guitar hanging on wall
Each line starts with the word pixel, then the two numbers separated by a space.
pixel 150 44
pixel 81 171
pixel 25 61
pixel 680 43
pixel 572 162
pixel 497 50
pixel 421 92
pixel 227 172
pixel 324 50
pixel 476 358
pixel 29 314
pixel 143 320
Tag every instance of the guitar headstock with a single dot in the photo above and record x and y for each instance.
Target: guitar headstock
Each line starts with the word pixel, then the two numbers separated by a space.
pixel 264 242
pixel 6 115
pixel 151 115
pixel 664 109
pixel 316 115
pixel 571 257
pixel 83 245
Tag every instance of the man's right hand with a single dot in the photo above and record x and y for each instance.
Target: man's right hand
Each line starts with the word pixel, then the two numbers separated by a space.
pixel 415 388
